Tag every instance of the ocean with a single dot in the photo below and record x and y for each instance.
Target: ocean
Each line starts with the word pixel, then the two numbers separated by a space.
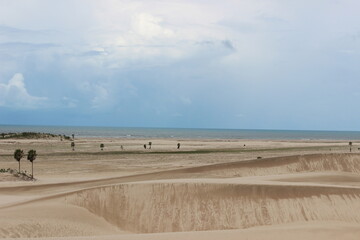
pixel 181 133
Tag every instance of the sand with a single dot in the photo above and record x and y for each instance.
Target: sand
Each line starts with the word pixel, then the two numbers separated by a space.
pixel 209 189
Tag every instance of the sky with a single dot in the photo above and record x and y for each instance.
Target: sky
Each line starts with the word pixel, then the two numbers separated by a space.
pixel 240 64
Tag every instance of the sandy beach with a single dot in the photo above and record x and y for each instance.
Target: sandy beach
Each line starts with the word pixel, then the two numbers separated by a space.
pixel 207 189
pixel 179 120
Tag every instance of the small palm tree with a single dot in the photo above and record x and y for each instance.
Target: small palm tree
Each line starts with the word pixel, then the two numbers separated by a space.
pixel 102 146
pixel 31 157
pixel 73 146
pixel 18 155
pixel 350 144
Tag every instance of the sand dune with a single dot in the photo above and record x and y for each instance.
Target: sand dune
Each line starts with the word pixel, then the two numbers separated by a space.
pixel 332 178
pixel 283 165
pixel 343 163
pixel 319 188
pixel 51 219
pixel 303 230
pixel 256 167
pixel 174 206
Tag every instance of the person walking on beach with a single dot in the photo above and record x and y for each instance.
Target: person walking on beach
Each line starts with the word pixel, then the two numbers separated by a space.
pixel 178 146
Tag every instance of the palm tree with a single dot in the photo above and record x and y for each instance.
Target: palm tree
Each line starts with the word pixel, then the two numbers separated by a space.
pixel 73 146
pixel 102 146
pixel 18 155
pixel 31 157
pixel 350 144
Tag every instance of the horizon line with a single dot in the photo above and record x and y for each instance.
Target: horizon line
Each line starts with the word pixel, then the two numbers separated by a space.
pixel 185 128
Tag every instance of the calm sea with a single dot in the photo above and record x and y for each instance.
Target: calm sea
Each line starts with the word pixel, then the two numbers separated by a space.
pixel 120 132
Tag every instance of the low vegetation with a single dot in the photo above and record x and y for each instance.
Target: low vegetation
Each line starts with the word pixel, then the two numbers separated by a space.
pixel 32 135
pixel 23 175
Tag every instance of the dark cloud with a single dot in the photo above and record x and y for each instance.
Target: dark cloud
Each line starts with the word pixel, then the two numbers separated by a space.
pixel 356 36
pixel 228 44
pixel 93 53
pixel 204 43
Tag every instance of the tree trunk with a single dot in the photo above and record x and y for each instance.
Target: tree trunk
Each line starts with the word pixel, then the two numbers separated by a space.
pixel 19 166
pixel 32 170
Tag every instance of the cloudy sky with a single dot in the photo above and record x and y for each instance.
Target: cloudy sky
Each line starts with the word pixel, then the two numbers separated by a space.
pixel 248 64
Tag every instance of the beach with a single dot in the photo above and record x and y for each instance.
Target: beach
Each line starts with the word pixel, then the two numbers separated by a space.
pixel 179 120
pixel 206 189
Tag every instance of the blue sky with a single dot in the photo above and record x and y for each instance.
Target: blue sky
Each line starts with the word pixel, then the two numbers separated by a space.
pixel 248 64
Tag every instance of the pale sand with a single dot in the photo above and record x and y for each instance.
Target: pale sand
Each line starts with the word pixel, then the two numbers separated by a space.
pixel 298 190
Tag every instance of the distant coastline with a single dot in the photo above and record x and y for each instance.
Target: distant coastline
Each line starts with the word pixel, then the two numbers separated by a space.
pixel 121 132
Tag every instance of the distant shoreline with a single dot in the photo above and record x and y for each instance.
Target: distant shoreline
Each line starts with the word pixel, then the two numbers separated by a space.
pixel 178 133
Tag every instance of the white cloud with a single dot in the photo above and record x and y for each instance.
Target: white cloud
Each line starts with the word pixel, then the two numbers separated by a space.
pixel 149 26
pixel 14 94
pixel 115 34
pixel 101 96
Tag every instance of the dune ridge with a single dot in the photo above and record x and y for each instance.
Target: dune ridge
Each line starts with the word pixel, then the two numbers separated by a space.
pixel 337 162
pixel 259 167
pixel 281 165
pixel 167 207
pixel 317 188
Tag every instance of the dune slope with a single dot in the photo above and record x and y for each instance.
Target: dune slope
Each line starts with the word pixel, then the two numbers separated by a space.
pixel 176 206
pixel 318 188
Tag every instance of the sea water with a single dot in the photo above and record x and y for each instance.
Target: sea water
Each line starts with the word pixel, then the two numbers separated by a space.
pixel 183 133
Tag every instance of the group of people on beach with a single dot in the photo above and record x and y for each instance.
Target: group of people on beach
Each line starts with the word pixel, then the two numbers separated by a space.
pixel 150 143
